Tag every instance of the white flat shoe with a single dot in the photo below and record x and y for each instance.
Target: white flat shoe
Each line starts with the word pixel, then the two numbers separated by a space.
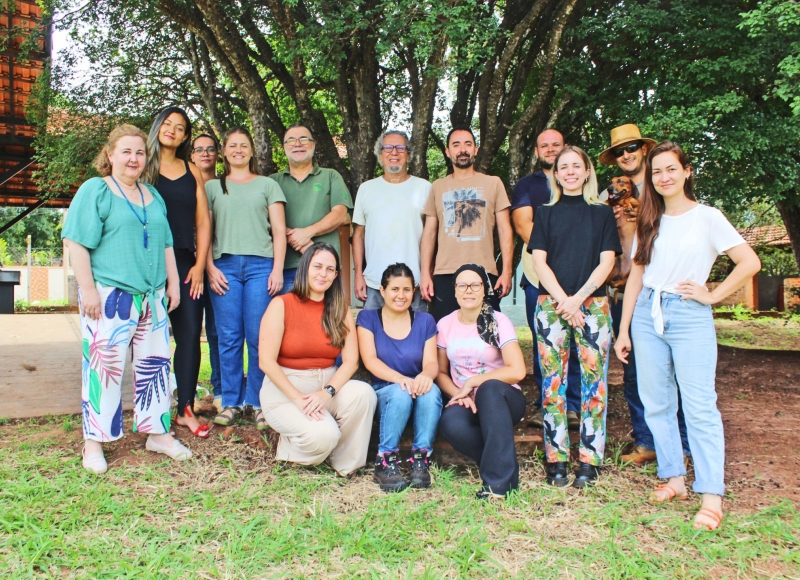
pixel 94 462
pixel 177 451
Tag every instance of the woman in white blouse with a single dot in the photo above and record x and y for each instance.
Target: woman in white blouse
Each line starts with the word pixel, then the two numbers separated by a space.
pixel 667 308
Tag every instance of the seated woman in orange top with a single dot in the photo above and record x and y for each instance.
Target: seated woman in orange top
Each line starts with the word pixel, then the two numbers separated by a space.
pixel 318 411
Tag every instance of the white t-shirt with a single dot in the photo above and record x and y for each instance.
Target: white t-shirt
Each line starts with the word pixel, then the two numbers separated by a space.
pixel 687 246
pixel 392 216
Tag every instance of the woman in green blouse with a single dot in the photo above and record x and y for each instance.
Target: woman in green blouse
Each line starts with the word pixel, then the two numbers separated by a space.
pixel 121 248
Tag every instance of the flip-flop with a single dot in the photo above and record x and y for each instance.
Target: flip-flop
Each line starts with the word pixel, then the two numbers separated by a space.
pixel 671 492
pixel 710 513
pixel 225 420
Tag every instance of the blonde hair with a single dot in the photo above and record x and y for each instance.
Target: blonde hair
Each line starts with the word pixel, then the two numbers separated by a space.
pixel 101 162
pixel 589 189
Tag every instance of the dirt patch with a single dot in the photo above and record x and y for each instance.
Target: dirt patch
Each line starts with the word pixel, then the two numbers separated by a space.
pixel 760 333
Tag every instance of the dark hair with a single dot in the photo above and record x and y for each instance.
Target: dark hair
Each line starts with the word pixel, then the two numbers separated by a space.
pixel 207 136
pixel 295 126
pixel 334 317
pixel 398 270
pixel 459 128
pixel 652 205
pixel 154 145
pixel 253 166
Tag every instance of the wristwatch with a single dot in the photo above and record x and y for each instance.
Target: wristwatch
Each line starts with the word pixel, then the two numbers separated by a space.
pixel 330 389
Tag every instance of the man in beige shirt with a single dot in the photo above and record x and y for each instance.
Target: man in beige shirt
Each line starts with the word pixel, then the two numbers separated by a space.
pixel 461 214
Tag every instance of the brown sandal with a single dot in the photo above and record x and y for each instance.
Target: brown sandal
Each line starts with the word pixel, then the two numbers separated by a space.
pixel 671 492
pixel 711 514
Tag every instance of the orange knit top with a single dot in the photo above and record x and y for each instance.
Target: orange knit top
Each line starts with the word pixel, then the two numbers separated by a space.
pixel 305 345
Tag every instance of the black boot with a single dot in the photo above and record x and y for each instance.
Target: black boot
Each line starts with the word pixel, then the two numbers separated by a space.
pixel 586 475
pixel 387 473
pixel 420 475
pixel 557 473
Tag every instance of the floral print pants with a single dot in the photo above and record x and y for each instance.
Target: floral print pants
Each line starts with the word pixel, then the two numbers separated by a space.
pixel 127 322
pixel 593 340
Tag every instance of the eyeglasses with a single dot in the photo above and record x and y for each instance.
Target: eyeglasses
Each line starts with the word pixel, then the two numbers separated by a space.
pixel 632 148
pixel 200 150
pixel 461 287
pixel 298 141
pixel 399 148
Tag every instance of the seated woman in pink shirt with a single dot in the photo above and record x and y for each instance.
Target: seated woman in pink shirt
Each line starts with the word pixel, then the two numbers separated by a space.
pixel 480 362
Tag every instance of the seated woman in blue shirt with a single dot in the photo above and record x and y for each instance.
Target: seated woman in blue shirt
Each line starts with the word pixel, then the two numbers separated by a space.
pixel 398 346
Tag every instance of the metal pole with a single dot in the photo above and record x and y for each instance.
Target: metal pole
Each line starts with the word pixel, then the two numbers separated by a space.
pixel 29 269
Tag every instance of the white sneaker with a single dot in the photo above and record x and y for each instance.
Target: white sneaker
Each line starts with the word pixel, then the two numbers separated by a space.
pixel 177 450
pixel 94 462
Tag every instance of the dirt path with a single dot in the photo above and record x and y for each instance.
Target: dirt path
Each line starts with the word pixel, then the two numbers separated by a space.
pixel 759 398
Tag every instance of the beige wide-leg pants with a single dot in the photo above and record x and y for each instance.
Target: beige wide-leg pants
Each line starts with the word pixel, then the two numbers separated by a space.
pixel 343 434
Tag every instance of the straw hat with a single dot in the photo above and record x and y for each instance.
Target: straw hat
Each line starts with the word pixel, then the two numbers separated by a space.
pixel 623 135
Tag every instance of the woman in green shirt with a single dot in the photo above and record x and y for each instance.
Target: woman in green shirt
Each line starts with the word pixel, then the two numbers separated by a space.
pixel 245 267
pixel 121 248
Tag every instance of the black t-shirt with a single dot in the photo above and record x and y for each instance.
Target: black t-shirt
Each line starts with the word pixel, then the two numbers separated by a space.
pixel 574 233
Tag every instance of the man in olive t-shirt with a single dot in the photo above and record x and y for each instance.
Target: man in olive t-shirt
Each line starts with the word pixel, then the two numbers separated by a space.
pixel 317 200
pixel 461 214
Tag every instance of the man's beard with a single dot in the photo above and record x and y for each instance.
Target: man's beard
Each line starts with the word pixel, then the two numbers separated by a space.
pixel 457 162
pixel 635 171
pixel 545 164
pixel 394 169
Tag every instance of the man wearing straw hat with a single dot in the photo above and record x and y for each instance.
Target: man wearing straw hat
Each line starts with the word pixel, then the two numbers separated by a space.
pixel 530 192
pixel 629 151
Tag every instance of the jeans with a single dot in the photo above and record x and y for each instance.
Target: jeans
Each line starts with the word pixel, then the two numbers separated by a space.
pixel 395 406
pixel 213 341
pixel 375 301
pixel 574 373
pixel 288 280
pixel 683 359
pixel 238 320
pixel 488 435
pixel 641 433
pixel 187 323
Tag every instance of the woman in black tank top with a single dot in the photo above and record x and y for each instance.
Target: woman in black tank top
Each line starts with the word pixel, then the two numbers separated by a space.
pixel 181 186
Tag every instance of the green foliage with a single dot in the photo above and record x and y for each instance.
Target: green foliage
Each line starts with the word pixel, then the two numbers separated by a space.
pixel 43 225
pixel 740 312
pixel 778 22
pixel 685 70
pixel 5 257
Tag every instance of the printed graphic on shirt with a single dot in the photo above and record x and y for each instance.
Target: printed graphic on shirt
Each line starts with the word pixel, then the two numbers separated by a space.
pixel 465 214
pixel 467 357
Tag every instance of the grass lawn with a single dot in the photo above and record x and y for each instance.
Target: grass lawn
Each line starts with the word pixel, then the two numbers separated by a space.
pixel 233 512
pixel 238 514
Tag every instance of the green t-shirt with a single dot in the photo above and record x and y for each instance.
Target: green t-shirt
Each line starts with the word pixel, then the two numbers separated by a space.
pixel 309 201
pixel 102 222
pixel 241 217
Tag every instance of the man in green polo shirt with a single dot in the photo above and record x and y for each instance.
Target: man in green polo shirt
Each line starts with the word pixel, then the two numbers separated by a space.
pixel 317 200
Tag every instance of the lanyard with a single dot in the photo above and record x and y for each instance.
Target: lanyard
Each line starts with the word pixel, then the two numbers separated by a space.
pixel 142 220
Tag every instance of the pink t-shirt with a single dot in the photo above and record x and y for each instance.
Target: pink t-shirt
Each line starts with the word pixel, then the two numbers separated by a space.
pixel 468 354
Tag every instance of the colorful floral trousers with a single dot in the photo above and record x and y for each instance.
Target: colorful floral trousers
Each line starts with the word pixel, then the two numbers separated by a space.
pixel 127 322
pixel 594 341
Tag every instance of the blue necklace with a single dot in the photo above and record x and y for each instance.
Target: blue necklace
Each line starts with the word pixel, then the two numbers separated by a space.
pixel 142 220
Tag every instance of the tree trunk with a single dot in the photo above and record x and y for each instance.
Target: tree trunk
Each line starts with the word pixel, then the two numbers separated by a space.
pixel 789 208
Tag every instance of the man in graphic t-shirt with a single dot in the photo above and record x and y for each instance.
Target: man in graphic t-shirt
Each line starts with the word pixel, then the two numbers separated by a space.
pixel 531 192
pixel 629 151
pixel 461 214
pixel 388 220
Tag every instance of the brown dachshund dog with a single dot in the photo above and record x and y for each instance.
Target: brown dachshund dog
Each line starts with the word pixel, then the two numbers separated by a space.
pixel 622 192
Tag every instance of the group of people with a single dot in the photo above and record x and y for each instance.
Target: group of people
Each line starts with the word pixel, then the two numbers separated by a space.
pixel 155 231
